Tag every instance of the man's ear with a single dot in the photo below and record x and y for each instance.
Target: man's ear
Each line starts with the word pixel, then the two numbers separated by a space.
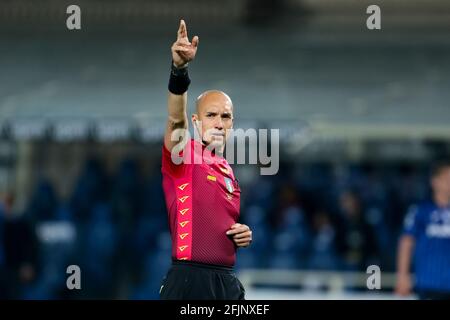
pixel 194 119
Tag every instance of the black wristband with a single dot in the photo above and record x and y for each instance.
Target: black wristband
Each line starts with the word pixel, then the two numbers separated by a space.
pixel 179 80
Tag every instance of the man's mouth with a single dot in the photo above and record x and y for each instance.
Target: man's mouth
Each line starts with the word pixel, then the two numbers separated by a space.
pixel 217 134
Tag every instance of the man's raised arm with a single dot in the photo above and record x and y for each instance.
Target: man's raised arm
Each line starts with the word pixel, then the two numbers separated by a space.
pixel 183 52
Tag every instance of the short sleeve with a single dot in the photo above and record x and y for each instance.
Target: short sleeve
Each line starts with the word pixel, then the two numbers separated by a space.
pixel 170 165
pixel 177 165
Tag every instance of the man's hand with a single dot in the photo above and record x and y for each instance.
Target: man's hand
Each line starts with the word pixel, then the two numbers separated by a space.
pixel 183 51
pixel 403 286
pixel 242 235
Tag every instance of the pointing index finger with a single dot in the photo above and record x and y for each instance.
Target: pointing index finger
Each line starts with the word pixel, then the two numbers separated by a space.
pixel 182 31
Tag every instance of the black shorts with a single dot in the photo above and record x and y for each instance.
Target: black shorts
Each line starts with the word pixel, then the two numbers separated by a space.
pixel 187 280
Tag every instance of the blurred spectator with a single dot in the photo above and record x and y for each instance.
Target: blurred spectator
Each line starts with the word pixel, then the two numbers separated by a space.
pixel 126 194
pixel 291 239
pixel 20 250
pixel 92 186
pixel 287 200
pixel 323 255
pixel 43 203
pixel 98 249
pixel 355 238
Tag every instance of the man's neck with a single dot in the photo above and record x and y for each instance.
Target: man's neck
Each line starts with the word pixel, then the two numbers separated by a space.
pixel 441 200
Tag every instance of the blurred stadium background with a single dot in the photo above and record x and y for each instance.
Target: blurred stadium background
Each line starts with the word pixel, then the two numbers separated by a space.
pixel 362 114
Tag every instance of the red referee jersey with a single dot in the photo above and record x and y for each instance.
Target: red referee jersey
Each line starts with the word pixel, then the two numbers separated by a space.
pixel 203 202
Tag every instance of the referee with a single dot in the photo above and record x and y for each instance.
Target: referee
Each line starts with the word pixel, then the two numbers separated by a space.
pixel 203 199
pixel 427 238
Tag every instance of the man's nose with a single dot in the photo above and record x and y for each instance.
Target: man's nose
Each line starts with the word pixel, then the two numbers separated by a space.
pixel 219 124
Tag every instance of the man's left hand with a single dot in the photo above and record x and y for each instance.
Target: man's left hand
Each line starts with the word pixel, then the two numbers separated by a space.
pixel 241 234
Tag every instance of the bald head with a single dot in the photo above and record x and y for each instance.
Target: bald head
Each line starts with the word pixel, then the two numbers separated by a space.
pixel 214 117
pixel 213 97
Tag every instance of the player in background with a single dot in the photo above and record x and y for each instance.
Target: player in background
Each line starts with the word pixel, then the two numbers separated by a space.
pixel 426 242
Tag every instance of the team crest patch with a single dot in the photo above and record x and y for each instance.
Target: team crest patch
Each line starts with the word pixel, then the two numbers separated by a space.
pixel 229 185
